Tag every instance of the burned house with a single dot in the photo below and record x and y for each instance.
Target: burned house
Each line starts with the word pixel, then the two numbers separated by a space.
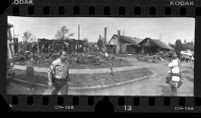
pixel 123 44
pixel 152 46
pixel 70 45
pixel 130 45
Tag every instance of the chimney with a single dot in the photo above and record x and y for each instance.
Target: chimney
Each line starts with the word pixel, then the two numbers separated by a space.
pixel 105 35
pixel 118 32
pixel 78 31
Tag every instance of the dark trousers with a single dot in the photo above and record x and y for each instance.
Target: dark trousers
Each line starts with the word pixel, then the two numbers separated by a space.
pixel 173 90
pixel 58 85
pixel 30 77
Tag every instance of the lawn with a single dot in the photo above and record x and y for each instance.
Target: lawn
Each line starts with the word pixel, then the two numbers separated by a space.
pixel 88 80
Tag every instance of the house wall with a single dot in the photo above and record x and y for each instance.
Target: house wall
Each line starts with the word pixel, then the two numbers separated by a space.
pixel 111 49
pixel 123 48
pixel 132 49
pixel 10 49
pixel 115 41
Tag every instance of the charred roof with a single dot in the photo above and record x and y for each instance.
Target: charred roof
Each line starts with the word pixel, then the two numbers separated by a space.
pixel 148 42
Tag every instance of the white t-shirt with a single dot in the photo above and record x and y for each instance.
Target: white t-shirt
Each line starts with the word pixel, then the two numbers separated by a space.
pixel 174 66
pixel 59 69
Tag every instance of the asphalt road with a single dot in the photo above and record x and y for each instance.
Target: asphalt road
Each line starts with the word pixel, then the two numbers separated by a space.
pixel 154 86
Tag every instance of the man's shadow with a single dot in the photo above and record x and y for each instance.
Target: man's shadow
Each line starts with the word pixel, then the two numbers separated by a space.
pixel 104 106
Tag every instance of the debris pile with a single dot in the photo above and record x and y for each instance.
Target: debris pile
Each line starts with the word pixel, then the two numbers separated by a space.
pixel 92 57
pixel 95 58
pixel 156 58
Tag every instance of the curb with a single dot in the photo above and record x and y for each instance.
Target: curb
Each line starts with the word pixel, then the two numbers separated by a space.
pixel 112 85
pixel 94 87
pixel 84 71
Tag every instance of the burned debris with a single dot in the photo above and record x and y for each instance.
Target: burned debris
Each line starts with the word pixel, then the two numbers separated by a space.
pixel 99 53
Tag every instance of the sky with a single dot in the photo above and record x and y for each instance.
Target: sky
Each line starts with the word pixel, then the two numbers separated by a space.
pixel 166 29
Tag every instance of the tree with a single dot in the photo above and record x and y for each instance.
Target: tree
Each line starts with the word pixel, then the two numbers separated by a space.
pixel 26 36
pixel 178 47
pixel 33 39
pixel 188 45
pixel 63 33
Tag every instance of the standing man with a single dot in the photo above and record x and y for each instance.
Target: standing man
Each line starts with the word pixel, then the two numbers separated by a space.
pixel 58 74
pixel 30 71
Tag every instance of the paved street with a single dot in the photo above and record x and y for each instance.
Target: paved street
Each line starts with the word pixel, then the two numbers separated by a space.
pixel 154 86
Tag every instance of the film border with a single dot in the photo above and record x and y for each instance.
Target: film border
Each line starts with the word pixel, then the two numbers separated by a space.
pixel 144 8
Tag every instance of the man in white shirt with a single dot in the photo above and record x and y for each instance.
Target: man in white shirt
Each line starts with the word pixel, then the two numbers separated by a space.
pixel 58 74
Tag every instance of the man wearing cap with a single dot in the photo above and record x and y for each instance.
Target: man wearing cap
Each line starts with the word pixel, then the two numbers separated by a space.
pixel 58 74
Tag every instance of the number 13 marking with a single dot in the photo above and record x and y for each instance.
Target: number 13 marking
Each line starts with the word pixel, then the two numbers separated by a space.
pixel 128 108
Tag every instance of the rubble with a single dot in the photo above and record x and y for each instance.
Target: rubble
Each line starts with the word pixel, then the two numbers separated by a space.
pixel 97 59
pixel 91 55
pixel 156 58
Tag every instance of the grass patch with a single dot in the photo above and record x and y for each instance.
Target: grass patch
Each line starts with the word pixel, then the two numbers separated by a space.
pixel 88 80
